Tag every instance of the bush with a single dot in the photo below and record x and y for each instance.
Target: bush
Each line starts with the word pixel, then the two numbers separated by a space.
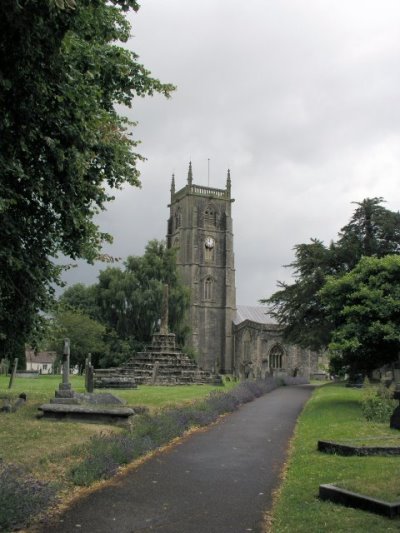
pixel 221 402
pixel 377 403
pixel 21 496
pixel 106 453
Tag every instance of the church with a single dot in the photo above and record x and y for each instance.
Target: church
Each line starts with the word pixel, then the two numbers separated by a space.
pixel 226 337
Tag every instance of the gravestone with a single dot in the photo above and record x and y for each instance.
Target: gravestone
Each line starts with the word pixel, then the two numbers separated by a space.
pixel 4 365
pixel 65 394
pixel 13 373
pixel 89 407
pixel 395 418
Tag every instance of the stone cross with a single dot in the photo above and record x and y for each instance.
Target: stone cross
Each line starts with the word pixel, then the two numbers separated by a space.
pixel 65 392
pixel 65 367
pixel 164 312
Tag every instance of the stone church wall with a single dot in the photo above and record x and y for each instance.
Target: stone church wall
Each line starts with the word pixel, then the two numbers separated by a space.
pixel 259 351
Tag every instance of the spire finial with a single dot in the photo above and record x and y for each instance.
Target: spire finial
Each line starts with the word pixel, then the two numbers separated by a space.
pixel 190 174
pixel 228 182
pixel 173 185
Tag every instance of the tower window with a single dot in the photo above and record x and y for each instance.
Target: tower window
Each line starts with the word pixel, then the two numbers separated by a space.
pixel 210 216
pixel 208 288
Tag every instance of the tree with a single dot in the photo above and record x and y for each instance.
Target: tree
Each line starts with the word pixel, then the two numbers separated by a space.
pixel 82 298
pixel 372 230
pixel 63 145
pixel 297 306
pixel 86 336
pixel 364 308
pixel 129 300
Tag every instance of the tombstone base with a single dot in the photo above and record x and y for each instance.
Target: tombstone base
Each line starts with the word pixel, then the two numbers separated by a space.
pixel 79 413
pixel 65 401
pixel 395 418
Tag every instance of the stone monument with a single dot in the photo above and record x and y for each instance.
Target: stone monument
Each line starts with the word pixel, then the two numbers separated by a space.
pixel 162 363
pixel 65 394
pixel 70 405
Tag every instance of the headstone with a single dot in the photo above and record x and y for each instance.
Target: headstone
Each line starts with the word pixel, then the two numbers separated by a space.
pixel 20 401
pixel 88 362
pixel 4 365
pixel 395 418
pixel 90 378
pixel 13 373
pixel 65 394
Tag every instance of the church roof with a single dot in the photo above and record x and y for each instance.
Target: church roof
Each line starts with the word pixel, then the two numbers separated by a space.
pixel 255 314
pixel 40 357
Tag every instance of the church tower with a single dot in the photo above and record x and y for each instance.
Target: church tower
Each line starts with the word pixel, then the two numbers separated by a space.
pixel 200 227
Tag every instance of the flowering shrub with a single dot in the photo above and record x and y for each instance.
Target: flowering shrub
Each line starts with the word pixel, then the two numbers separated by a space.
pixel 377 403
pixel 21 496
pixel 221 402
pixel 106 452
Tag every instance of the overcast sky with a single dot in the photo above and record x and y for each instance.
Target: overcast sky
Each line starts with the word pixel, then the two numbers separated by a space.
pixel 299 98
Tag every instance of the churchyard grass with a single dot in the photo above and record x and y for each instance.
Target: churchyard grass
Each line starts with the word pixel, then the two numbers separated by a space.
pixel 41 460
pixel 41 444
pixel 334 414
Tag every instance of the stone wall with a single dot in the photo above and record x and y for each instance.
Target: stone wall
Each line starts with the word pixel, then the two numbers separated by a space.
pixel 259 351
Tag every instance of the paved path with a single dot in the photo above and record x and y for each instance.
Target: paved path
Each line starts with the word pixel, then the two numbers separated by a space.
pixel 216 481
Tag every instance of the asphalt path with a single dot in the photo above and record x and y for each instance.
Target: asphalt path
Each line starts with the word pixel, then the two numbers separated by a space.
pixel 218 480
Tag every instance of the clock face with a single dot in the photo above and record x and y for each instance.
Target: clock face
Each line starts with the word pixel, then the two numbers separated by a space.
pixel 209 242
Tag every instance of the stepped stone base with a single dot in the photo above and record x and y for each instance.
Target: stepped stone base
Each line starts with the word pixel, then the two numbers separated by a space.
pixel 161 364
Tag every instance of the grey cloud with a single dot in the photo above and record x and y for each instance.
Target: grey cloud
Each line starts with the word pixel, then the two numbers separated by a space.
pixel 297 97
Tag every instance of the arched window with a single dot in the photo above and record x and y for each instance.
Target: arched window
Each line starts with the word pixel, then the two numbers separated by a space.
pixel 208 288
pixel 275 357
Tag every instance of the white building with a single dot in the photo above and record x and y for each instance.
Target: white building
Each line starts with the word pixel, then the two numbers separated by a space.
pixel 41 362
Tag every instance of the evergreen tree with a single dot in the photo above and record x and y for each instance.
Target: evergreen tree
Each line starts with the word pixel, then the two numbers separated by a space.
pixel 372 231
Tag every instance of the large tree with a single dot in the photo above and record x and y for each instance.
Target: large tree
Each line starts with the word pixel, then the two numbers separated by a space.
pixel 81 298
pixel 63 145
pixel 86 336
pixel 364 308
pixel 372 231
pixel 129 300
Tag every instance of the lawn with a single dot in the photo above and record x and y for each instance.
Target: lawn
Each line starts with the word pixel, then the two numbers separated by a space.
pixel 334 413
pixel 48 448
